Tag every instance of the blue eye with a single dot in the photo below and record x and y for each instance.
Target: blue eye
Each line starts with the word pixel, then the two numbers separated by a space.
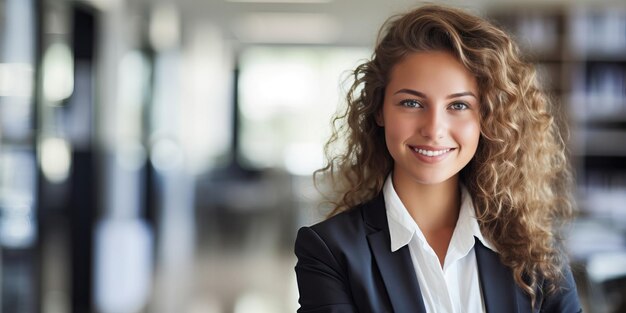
pixel 410 103
pixel 459 106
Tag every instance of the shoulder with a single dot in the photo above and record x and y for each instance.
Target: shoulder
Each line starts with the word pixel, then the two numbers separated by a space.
pixel 330 254
pixel 343 235
pixel 327 247
pixel 344 227
pixel 565 297
pixel 345 223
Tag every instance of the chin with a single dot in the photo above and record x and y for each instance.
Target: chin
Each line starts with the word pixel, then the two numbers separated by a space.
pixel 434 180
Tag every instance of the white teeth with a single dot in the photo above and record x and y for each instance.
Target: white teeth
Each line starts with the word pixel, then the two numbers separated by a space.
pixel 431 153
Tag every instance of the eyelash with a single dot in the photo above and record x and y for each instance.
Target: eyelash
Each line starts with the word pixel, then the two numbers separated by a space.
pixel 459 103
pixel 410 103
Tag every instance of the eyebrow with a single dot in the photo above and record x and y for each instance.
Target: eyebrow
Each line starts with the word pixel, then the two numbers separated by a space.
pixel 422 95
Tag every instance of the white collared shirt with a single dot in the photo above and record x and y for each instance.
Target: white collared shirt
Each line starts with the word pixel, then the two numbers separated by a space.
pixel 456 287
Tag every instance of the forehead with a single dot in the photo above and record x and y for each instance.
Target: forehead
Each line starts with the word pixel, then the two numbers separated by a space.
pixel 435 71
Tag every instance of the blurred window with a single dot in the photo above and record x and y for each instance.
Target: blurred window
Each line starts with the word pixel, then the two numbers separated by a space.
pixel 287 98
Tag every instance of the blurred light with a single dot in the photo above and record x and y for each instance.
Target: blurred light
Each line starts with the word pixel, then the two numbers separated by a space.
pixel 164 26
pixel 255 302
pixel 177 229
pixel 18 38
pixel 106 4
pixel 205 96
pixel 607 266
pixel 17 198
pixel 16 79
pixel 123 266
pixel 287 87
pixel 262 27
pixel 56 159
pixel 124 184
pixel 293 294
pixel 303 159
pixel 55 301
pixel 280 1
pixel 17 229
pixel 133 76
pixel 166 155
pixel 131 157
pixel 58 73
pixel 288 96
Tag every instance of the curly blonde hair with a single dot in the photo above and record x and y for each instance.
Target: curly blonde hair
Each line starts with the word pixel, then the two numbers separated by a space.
pixel 519 178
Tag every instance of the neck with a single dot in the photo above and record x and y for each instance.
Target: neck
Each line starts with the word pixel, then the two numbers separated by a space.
pixel 433 206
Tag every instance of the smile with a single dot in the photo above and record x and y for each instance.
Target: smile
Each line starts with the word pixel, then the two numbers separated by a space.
pixel 431 153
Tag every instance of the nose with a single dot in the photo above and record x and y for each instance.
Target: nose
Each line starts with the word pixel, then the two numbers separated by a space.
pixel 433 124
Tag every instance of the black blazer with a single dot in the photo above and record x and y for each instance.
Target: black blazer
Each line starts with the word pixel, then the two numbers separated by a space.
pixel 345 264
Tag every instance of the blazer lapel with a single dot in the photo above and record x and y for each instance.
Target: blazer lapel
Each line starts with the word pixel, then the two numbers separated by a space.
pixel 396 268
pixel 498 286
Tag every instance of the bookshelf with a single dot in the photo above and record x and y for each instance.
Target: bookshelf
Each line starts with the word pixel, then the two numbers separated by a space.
pixel 580 54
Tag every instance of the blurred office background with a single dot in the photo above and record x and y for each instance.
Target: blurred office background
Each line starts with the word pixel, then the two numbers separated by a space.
pixel 156 156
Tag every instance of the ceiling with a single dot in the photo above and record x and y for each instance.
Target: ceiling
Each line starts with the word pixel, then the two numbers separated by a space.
pixel 330 22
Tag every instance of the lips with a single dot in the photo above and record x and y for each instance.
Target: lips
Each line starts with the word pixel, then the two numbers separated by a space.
pixel 431 153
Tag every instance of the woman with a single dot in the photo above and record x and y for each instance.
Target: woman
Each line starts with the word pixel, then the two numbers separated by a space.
pixel 452 184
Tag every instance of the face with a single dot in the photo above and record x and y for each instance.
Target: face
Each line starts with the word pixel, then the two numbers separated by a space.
pixel 430 116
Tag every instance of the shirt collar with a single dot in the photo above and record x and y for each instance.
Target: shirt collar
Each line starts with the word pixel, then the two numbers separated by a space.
pixel 401 224
pixel 402 227
pixel 467 226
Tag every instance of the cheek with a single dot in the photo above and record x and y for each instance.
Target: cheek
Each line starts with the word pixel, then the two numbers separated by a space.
pixel 469 133
pixel 398 131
